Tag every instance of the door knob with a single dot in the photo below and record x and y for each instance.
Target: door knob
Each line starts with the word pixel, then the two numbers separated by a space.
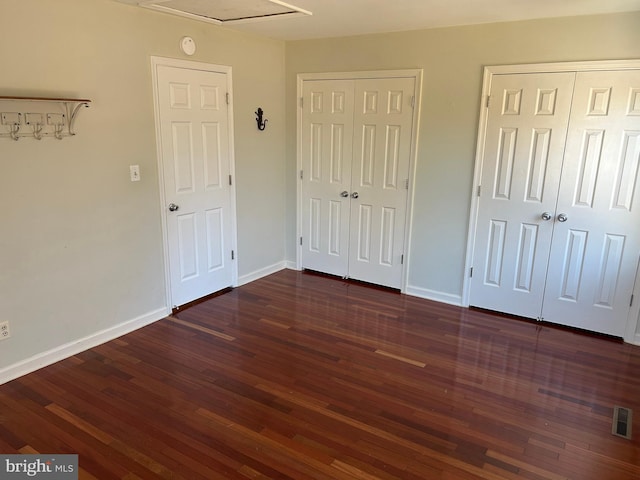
pixel 562 217
pixel 344 194
pixel 354 195
pixel 546 216
pixel 173 207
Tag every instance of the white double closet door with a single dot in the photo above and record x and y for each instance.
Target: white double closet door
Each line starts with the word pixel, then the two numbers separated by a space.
pixel 356 138
pixel 558 220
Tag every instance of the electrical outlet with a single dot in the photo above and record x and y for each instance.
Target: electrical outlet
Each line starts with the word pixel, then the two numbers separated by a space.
pixel 4 330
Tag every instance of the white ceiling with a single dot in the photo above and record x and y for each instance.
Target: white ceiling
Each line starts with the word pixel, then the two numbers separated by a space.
pixel 336 18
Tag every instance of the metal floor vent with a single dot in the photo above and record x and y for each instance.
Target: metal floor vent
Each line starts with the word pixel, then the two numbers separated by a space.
pixel 622 420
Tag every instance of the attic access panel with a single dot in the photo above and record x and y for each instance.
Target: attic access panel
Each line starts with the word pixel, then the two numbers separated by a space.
pixel 226 11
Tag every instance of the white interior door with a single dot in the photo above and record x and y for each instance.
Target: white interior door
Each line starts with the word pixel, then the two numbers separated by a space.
pixel 522 163
pixel 596 240
pixel 379 179
pixel 193 120
pixel 356 145
pixel 327 147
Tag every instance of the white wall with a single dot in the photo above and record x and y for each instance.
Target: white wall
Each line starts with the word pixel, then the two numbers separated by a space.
pixel 452 59
pixel 80 245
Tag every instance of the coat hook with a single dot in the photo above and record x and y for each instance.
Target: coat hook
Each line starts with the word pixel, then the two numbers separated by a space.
pixel 13 132
pixel 262 124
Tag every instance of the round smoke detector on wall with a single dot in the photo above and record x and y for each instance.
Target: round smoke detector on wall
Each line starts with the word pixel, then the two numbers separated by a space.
pixel 188 46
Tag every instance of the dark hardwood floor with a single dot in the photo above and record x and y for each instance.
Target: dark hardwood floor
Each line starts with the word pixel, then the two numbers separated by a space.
pixel 297 376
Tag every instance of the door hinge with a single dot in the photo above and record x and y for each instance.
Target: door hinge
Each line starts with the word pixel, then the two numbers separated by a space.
pixel 471 272
pixel 413 101
pixel 631 302
pixel 301 174
pixel 479 189
pixel 228 98
pixel 488 101
pixel 402 259
pixel 300 241
pixel 230 180
pixel 406 184
pixel 301 102
pixel 233 255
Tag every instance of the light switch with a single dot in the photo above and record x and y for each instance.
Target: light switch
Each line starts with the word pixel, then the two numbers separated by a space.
pixel 134 173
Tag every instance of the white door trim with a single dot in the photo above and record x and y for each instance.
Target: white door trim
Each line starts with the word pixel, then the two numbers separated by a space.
pixel 489 71
pixel 407 73
pixel 191 65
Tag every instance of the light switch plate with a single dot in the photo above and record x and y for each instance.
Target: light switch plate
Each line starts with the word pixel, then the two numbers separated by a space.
pixel 134 173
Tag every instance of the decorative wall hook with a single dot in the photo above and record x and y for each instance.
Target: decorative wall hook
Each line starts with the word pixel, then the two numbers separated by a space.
pixel 13 132
pixel 12 120
pixel 57 120
pixel 37 131
pixel 34 120
pixel 262 124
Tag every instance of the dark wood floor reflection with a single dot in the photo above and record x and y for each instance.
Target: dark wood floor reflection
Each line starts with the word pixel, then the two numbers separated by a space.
pixel 296 376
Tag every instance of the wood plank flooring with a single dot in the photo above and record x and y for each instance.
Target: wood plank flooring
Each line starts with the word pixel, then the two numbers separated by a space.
pixel 297 376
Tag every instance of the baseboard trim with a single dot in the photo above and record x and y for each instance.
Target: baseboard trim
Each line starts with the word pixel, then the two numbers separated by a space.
pixel 73 348
pixel 434 295
pixel 289 265
pixel 263 272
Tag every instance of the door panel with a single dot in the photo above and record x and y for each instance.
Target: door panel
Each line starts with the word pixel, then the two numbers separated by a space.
pixel 526 131
pixel 215 238
pixel 187 246
pixel 594 253
pixel 194 130
pixel 380 172
pixel 327 139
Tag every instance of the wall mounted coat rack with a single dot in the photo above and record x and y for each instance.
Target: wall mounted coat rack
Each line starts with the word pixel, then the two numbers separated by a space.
pixel 40 124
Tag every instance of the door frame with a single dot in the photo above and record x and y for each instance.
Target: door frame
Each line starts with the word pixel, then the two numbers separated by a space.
pixel 416 74
pixel 489 72
pixel 207 67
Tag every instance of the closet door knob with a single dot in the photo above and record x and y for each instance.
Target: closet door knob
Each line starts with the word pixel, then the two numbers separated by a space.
pixel 173 207
pixel 354 195
pixel 562 217
pixel 546 216
pixel 344 194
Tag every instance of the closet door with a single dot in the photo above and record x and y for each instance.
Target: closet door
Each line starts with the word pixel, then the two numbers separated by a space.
pixel 596 241
pixel 356 148
pixel 327 148
pixel 379 179
pixel 522 162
